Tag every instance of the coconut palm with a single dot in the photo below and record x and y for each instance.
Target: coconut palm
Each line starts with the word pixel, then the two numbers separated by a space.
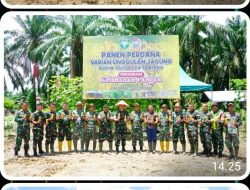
pixel 67 36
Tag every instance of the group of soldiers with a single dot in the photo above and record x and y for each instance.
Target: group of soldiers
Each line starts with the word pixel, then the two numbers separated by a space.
pixel 210 125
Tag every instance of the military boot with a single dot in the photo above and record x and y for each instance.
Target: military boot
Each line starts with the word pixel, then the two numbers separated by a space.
pixel 87 146
pixel 196 149
pixel 26 154
pixel 191 149
pixel 154 146
pixel 16 153
pixel 150 146
pixel 175 147
pixel 236 154
pixel 231 153
pixel 220 154
pixel 141 148
pixel 40 148
pixel 123 148
pixel 134 148
pixel 184 148
pixel 94 146
pixel 208 152
pixel 35 152
pixel 82 145
pixel 100 146
pixel 117 149
pixel 110 147
pixel 47 149
pixel 75 145
pixel 215 151
pixel 52 148
pixel 204 151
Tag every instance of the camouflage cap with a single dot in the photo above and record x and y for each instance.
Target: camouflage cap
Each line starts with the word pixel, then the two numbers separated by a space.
pixel 79 103
pixel 91 105
pixel 164 106
pixel 136 105
pixel 105 106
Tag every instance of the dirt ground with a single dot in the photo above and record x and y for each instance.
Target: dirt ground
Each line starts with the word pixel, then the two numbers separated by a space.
pixel 123 164
pixel 125 2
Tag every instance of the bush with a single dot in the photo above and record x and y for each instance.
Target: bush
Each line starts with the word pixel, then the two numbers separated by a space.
pixel 9 104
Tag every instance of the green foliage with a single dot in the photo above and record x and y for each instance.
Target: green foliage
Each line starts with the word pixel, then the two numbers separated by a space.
pixel 238 84
pixel 63 89
pixel 9 125
pixel 9 104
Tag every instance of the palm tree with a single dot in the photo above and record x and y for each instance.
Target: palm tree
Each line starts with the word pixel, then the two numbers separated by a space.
pixel 67 35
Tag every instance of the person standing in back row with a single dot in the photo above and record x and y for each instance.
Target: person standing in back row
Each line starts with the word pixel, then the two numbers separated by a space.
pixel 217 129
pixel 105 130
pixel 78 126
pixel 164 128
pixel 23 119
pixel 137 130
pixel 205 129
pixel 178 128
pixel 121 118
pixel 191 120
pixel 91 128
pixel 51 128
pixel 38 119
pixel 64 128
pixel 151 119
pixel 232 123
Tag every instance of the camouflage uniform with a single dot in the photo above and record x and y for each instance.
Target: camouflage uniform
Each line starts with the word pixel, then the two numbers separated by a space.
pixel 121 129
pixel 137 130
pixel 105 130
pixel 79 131
pixel 37 128
pixel 23 131
pixel 178 130
pixel 217 132
pixel 206 132
pixel 192 130
pixel 51 131
pixel 91 131
pixel 64 129
pixel 164 127
pixel 151 130
pixel 233 121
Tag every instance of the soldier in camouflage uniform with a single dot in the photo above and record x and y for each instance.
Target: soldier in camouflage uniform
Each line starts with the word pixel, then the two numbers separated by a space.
pixel 79 131
pixel 164 128
pixel 178 128
pixel 105 130
pixel 38 119
pixel 205 130
pixel 151 119
pixel 217 129
pixel 64 129
pixel 137 130
pixel 91 130
pixel 191 120
pixel 23 129
pixel 232 123
pixel 51 128
pixel 121 118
